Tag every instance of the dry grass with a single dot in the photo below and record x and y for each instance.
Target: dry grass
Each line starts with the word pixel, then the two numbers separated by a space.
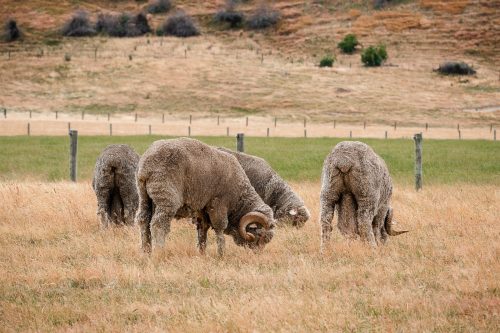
pixel 60 272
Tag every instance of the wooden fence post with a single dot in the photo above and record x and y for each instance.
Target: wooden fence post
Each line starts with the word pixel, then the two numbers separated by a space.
pixel 163 118
pixel 240 142
pixel 350 134
pixel 247 122
pixel 305 122
pixel 227 131
pixel 149 129
pixel 218 120
pixel 73 149
pixel 275 121
pixel 69 126
pixel 110 129
pixel 364 124
pixel 57 114
pixel 426 126
pixel 268 132
pixel 136 117
pixel 395 125
pixel 418 160
pixel 386 135
pixel 30 116
pixel 190 119
pixel 459 135
pixel 83 115
pixel 189 130
pixel 29 129
pixel 5 113
pixel 491 127
pixel 334 123
pixel 305 133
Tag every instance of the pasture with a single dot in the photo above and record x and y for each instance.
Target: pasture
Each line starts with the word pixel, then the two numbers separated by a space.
pixel 62 273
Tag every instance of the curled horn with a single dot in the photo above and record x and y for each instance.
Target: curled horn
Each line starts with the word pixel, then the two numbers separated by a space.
pixel 388 225
pixel 253 217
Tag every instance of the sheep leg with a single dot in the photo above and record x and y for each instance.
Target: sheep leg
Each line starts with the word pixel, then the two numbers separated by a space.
pixel 143 216
pixel 346 210
pixel 160 226
pixel 103 209
pixel 364 218
pixel 217 213
pixel 129 200
pixel 326 217
pixel 379 227
pixel 202 226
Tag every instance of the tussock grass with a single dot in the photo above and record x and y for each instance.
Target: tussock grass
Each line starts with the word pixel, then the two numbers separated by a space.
pixel 60 272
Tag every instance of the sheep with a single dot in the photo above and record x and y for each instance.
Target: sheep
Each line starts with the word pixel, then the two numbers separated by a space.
pixel 288 207
pixel 185 178
pixel 114 185
pixel 357 180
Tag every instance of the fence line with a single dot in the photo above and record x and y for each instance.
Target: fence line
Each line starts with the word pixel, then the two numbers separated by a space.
pixel 15 123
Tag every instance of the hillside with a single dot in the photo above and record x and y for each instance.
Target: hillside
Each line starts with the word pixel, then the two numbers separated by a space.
pixel 271 72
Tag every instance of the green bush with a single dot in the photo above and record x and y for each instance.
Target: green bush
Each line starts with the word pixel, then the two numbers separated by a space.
pixel 348 44
pixel 327 61
pixel 374 55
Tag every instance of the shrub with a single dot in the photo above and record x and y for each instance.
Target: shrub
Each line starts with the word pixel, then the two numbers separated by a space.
pixel 11 31
pixel 122 25
pixel 158 6
pixel 327 61
pixel 264 17
pixel 179 25
pixel 233 18
pixel 348 44
pixel 374 55
pixel 78 26
pixel 456 68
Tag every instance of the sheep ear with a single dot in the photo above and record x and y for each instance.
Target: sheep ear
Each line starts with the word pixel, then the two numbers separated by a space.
pixel 293 212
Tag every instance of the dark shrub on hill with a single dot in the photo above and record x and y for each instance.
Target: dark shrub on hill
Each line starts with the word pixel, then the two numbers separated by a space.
pixel 264 17
pixel 11 31
pixel 348 44
pixel 327 61
pixel 374 55
pixel 456 68
pixel 158 6
pixel 78 26
pixel 179 25
pixel 122 25
pixel 231 17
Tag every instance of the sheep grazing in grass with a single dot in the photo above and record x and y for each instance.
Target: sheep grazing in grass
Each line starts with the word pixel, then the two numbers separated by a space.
pixel 287 206
pixel 114 185
pixel 357 181
pixel 185 178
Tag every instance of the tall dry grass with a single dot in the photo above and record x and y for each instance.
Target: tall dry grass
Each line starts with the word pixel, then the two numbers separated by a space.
pixel 61 273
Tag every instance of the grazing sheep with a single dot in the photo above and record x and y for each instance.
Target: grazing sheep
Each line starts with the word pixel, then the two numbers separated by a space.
pixel 114 185
pixel 287 206
pixel 185 178
pixel 357 180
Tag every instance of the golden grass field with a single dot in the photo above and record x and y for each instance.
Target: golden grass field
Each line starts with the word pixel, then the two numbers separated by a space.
pixel 60 272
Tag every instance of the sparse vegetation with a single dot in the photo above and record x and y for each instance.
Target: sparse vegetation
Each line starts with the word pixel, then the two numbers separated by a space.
pixel 78 26
pixel 348 44
pixel 179 25
pixel 374 55
pixel 456 68
pixel 327 61
pixel 158 6
pixel 122 25
pixel 11 32
pixel 264 17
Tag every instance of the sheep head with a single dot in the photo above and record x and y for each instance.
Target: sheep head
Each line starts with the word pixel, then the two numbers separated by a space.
pixel 256 230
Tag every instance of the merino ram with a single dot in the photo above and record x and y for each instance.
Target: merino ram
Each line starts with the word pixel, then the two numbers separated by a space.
pixel 287 206
pixel 357 181
pixel 185 178
pixel 114 185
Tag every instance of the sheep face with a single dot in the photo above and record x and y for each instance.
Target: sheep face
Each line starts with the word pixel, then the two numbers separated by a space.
pixel 261 236
pixel 296 216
